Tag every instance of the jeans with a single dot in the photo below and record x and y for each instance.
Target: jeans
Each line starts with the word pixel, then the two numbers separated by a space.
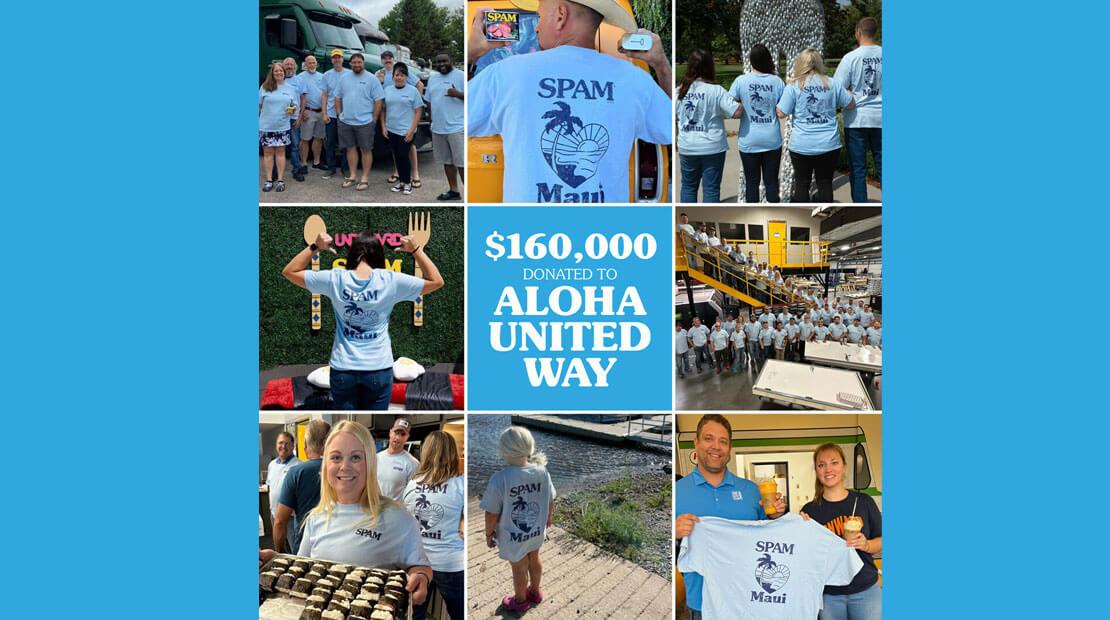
pixel 766 165
pixel 295 134
pixel 702 353
pixel 680 364
pixel 361 390
pixel 866 605
pixel 822 166
pixel 704 170
pixel 753 353
pixel 334 156
pixel 738 360
pixel 400 150
pixel 694 614
pixel 450 586
pixel 860 140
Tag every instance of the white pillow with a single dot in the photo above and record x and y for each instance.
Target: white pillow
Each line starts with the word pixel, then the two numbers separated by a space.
pixel 321 377
pixel 405 369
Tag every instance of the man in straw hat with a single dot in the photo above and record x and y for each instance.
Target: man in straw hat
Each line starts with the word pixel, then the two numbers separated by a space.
pixel 568 116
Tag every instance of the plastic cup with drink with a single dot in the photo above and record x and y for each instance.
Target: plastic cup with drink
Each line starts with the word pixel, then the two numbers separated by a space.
pixel 768 491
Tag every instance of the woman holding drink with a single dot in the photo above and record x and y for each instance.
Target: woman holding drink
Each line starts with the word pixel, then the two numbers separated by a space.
pixel 854 516
pixel 277 105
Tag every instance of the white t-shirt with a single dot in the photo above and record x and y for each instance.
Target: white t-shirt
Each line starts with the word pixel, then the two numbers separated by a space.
pixel 349 537
pixel 765 570
pixel 275 475
pixel 568 118
pixel 394 472
pixel 438 510
pixel 701 118
pixel 522 496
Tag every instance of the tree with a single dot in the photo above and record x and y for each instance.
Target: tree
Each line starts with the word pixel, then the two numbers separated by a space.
pixel 422 27
pixel 655 15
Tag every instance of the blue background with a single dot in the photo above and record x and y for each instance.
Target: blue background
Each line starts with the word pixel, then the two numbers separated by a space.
pixel 130 363
pixel 499 381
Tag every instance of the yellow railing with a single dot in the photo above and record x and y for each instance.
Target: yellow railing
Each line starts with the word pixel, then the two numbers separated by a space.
pixel 714 267
pixel 793 254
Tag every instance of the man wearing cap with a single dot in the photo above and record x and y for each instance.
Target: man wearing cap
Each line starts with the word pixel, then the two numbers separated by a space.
pixel 569 116
pixel 411 80
pixel 358 99
pixel 312 121
pixel 294 80
pixel 395 465
pixel 334 157
pixel 445 105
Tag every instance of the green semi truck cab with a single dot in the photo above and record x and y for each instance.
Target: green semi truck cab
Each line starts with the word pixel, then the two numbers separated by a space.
pixel 299 28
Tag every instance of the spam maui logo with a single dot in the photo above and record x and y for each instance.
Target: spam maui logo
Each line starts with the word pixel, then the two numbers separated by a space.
pixel 565 88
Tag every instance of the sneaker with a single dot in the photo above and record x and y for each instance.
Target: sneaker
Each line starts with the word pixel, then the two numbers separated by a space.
pixel 280 186
pixel 267 186
pixel 299 176
pixel 510 603
pixel 327 174
pixel 397 188
pixel 408 189
pixel 449 195
pixel 320 166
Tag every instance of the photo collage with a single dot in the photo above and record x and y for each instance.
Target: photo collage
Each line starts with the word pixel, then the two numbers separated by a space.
pixel 660 398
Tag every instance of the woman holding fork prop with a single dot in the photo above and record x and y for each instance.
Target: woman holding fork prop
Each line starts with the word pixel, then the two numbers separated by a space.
pixel 363 296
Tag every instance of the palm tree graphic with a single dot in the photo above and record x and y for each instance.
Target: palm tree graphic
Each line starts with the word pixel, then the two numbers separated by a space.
pixel 561 116
pixel 352 309
pixel 422 502
pixel 766 562
pixel 520 503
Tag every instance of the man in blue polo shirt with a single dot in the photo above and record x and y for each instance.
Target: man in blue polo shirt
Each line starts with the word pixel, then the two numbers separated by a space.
pixel 301 490
pixel 713 491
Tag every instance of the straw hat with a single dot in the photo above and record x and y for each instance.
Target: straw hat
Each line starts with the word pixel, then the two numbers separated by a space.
pixel 613 13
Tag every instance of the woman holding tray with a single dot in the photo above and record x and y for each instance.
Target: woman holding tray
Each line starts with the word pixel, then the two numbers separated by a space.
pixel 354 523
pixel 363 296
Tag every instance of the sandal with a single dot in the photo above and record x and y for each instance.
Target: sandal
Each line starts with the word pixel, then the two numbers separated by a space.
pixel 510 603
pixel 267 186
pixel 393 179
pixel 535 597
pixel 362 185
pixel 279 186
pixel 417 183
pixel 349 182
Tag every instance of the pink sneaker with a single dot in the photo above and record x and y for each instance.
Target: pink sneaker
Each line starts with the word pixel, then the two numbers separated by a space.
pixel 535 597
pixel 510 603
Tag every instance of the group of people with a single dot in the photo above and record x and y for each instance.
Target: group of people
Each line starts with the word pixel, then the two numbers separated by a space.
pixel 763 101
pixel 711 490
pixel 348 503
pixel 734 345
pixel 333 117
pixel 362 296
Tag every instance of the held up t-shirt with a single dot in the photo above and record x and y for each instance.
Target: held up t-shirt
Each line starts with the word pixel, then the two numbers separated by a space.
pixel 362 309
pixel 701 114
pixel 861 71
pixel 765 570
pixel 447 111
pixel 522 496
pixel 815 130
pixel 394 472
pixel 349 537
pixel 568 118
pixel 438 509
pixel 759 125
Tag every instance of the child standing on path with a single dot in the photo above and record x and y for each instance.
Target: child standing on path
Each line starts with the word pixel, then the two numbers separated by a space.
pixel 519 501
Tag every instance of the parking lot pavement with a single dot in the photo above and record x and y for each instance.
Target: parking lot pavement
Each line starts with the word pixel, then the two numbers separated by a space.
pixel 329 191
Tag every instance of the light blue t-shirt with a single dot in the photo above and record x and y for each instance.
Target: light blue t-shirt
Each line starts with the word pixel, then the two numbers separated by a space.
pixel 358 92
pixel 759 125
pixel 438 509
pixel 875 336
pixel 855 333
pixel 399 106
pixel 568 118
pixel 729 326
pixel 362 309
pixel 522 496
pixel 822 332
pixel 733 498
pixel 752 330
pixel 764 570
pixel 720 340
pixel 699 334
pixel 780 338
pixel 836 330
pixel 737 339
pixel 387 75
pixel 815 130
pixel 447 111
pixel 681 342
pixel 805 330
pixel 331 84
pixel 701 118
pixel 861 71
pixel 313 86
pixel 274 116
pixel 766 336
pixel 350 538
pixel 865 318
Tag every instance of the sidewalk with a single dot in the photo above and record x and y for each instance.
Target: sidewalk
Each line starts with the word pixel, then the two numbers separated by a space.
pixel 579 580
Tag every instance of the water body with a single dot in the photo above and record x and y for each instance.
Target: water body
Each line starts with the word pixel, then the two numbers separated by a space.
pixel 573 462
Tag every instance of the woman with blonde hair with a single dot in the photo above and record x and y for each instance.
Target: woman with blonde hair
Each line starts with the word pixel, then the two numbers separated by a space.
pixel 436 496
pixel 278 103
pixel 519 501
pixel 811 98
pixel 833 505
pixel 354 523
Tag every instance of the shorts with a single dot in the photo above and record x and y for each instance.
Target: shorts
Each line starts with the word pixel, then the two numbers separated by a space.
pixel 273 138
pixel 313 126
pixel 361 136
pixel 447 148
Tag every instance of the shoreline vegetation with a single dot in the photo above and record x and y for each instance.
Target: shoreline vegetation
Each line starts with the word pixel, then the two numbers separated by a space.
pixel 626 516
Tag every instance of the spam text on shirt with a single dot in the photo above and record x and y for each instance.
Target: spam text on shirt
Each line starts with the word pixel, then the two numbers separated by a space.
pixel 760 111
pixel 362 531
pixel 769 574
pixel 571 147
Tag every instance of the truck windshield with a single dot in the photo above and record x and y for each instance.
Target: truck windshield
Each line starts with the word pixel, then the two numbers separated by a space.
pixel 372 48
pixel 332 32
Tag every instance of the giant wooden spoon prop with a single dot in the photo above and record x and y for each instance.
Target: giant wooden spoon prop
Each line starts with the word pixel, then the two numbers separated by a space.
pixel 313 227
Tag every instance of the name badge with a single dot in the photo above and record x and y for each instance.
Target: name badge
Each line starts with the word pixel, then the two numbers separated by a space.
pixel 737 496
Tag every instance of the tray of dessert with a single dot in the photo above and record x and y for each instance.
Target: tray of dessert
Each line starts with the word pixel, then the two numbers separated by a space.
pixel 298 588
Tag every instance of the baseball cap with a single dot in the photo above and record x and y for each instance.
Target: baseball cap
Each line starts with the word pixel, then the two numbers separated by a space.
pixel 335 52
pixel 401 423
